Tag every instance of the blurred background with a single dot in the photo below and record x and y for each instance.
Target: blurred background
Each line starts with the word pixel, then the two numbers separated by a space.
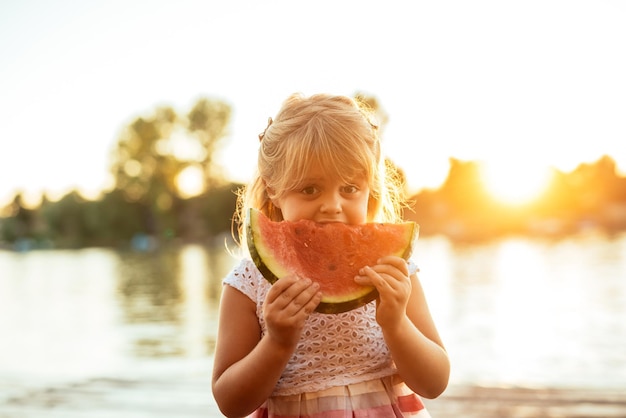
pixel 127 128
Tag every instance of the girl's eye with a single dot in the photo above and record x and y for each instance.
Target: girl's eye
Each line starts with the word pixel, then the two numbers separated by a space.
pixel 350 188
pixel 309 190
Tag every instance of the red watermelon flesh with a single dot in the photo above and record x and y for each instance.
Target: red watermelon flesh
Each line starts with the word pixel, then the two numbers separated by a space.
pixel 330 254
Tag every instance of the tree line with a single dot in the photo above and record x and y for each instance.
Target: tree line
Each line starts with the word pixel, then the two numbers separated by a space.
pixel 147 208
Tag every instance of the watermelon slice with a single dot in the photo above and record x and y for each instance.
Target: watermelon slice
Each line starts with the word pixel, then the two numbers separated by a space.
pixel 328 253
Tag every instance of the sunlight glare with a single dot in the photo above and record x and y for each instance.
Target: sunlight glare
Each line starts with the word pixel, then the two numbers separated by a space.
pixel 515 182
pixel 190 182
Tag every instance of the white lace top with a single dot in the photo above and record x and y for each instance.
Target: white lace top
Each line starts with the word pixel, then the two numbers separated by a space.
pixel 334 349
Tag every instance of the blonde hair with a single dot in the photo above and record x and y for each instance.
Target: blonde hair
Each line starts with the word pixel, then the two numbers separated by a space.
pixel 336 132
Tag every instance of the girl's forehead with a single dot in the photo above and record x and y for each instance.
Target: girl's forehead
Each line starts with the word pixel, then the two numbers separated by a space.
pixel 316 171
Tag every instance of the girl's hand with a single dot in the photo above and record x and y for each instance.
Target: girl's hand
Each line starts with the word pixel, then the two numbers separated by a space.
pixel 391 278
pixel 288 304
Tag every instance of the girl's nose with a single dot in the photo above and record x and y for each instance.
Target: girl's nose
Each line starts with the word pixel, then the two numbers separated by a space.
pixel 331 203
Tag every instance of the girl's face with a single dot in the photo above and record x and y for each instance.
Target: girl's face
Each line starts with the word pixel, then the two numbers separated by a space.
pixel 323 198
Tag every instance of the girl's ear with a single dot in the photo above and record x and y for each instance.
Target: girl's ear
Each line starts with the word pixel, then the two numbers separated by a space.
pixel 273 208
pixel 274 201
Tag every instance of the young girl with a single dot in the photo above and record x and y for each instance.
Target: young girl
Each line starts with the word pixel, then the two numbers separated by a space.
pixel 320 159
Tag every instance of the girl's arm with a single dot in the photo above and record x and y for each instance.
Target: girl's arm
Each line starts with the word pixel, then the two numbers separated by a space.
pixel 416 347
pixel 408 327
pixel 247 367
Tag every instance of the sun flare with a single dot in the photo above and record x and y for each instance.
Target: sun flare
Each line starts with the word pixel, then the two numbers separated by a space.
pixel 190 182
pixel 515 183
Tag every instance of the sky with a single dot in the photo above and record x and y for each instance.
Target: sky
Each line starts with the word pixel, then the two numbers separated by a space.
pixel 528 84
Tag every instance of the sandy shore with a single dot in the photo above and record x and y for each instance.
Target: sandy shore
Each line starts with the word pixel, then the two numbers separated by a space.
pixel 191 398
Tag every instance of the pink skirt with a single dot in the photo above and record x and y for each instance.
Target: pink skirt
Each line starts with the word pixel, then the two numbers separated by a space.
pixel 386 397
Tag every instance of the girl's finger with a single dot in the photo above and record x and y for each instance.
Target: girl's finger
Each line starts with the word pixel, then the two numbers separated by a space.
pixel 369 275
pixel 308 300
pixel 306 297
pixel 284 290
pixel 294 294
pixel 396 262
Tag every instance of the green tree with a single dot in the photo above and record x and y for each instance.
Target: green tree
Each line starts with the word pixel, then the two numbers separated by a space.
pixel 19 224
pixel 208 122
pixel 152 152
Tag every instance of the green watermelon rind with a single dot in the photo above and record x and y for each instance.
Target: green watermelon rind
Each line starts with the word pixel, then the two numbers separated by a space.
pixel 272 272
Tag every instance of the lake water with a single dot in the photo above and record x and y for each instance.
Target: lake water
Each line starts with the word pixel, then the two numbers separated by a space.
pixel 511 312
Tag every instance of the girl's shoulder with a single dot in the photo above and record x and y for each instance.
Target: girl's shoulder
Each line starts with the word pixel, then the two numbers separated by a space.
pixel 246 278
pixel 243 270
